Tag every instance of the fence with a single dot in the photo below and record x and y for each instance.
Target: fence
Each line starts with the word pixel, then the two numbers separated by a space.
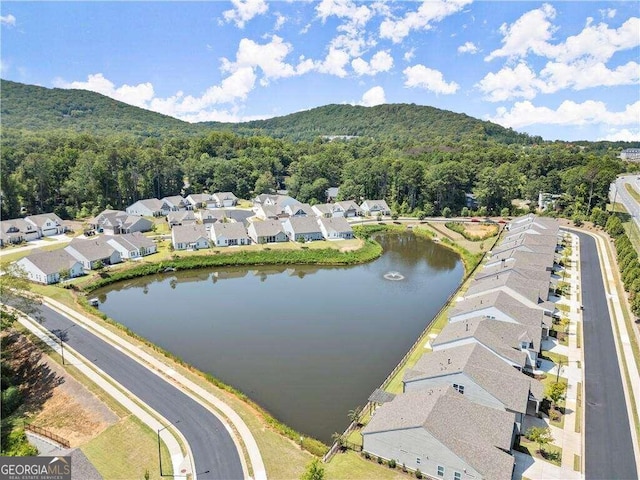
pixel 336 445
pixel 43 432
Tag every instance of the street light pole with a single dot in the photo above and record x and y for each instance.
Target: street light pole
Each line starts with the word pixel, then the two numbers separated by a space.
pixel 160 449
pixel 59 335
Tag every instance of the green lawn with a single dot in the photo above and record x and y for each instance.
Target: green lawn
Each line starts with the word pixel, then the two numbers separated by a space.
pixel 12 257
pixel 632 191
pixel 126 450
pixel 352 466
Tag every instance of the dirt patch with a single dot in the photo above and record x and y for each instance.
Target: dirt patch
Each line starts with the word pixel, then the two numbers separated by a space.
pixel 352 247
pixel 55 400
pixel 480 229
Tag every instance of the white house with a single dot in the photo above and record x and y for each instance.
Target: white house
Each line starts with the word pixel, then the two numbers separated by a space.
pixel 47 224
pixel 149 207
pixel 267 231
pixel 46 266
pixel 226 234
pixel 335 228
pixel 375 207
pixel 198 200
pixel 116 222
pixel 299 210
pixel 133 245
pixel 302 229
pixel 191 237
pixel 176 203
pixel 349 208
pixel 442 434
pixel 183 217
pixel 92 252
pixel 224 199
pixel 18 230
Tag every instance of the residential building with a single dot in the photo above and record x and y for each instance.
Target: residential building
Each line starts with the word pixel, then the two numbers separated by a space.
pixel 47 224
pixel 267 231
pixel 478 374
pixel 93 252
pixel 182 217
pixel 49 267
pixel 302 229
pixel 177 203
pixel 227 234
pixel 149 207
pixel 443 434
pixel 299 210
pixel 198 200
pixel 189 237
pixel 224 199
pixel 117 222
pixel 375 207
pixel 335 228
pixel 133 245
pixel 18 230
pixel 630 154
pixel 207 217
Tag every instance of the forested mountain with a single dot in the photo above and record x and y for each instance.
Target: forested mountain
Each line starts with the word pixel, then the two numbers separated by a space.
pixel 392 122
pixel 30 107
pixel 77 152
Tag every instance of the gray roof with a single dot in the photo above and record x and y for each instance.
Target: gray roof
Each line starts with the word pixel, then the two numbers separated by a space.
pixel 230 230
pixel 349 205
pixel 504 338
pixel 475 433
pixel 198 197
pixel 507 384
pixel 550 241
pixel 525 271
pixel 92 249
pixel 503 302
pixel 532 243
pixel 175 200
pixel 536 291
pixel 132 240
pixel 50 262
pixel 305 207
pixel 19 224
pixel 267 228
pixel 332 192
pixel 152 204
pixel 181 216
pixel 323 208
pixel 530 259
pixel 40 219
pixel 302 225
pixel 335 224
pixel 188 233
pixel 221 196
pixel 378 204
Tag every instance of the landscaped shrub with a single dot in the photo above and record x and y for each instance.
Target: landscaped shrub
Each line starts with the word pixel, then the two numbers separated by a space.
pixel 380 460
pixel 418 473
pixel 392 463
pixel 367 455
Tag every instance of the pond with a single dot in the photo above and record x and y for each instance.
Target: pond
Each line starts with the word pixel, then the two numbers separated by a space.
pixel 306 343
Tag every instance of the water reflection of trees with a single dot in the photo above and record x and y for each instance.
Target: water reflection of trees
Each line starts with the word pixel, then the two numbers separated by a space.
pixel 410 251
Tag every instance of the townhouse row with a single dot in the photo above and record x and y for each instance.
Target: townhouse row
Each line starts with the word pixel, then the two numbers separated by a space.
pixel 463 403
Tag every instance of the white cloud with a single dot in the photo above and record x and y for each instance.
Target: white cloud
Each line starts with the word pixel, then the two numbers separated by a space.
pixel 280 21
pixel 522 82
pixel 334 63
pixel 382 61
pixel 245 10
pixel 269 57
pixel 138 95
pixel 608 12
pixel 568 113
pixel 408 55
pixel 429 11
pixel 374 96
pixel 624 135
pixel 234 87
pixel 468 47
pixel 510 83
pixel 344 9
pixel 8 20
pixel 420 76
pixel 531 32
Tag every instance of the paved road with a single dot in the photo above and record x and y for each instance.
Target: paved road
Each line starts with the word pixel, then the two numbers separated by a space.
pixel 620 193
pixel 212 447
pixel 608 446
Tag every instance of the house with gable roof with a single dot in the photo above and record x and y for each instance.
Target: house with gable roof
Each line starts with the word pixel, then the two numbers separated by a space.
pixel 133 245
pixel 117 222
pixel 93 252
pixel 267 231
pixel 177 203
pixel 335 228
pixel 18 230
pixel 227 234
pixel 443 434
pixel 223 200
pixel 149 207
pixel 375 207
pixel 48 224
pixel 190 237
pixel 46 266
pixel 302 229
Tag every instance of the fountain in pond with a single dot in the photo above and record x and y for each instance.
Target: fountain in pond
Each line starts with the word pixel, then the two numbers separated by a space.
pixel 394 276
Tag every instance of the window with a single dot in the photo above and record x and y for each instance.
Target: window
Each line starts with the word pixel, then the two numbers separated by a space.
pixel 417 461
pixel 459 388
pixel 440 471
pixel 457 476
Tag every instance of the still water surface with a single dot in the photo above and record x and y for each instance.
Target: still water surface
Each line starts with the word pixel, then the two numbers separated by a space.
pixel 307 343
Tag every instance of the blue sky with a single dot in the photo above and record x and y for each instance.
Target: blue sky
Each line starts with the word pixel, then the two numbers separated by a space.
pixel 565 70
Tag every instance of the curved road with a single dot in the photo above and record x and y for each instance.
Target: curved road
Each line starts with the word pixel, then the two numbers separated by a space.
pixel 608 445
pixel 215 454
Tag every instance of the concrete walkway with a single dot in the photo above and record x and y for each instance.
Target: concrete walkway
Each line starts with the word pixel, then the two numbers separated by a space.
pixel 566 438
pixel 33 244
pixel 199 394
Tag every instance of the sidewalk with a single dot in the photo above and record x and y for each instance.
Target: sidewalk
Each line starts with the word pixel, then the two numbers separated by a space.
pixel 566 438
pixel 199 394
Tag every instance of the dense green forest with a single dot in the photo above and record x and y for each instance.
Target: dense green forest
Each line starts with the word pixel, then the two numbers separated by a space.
pixel 108 154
